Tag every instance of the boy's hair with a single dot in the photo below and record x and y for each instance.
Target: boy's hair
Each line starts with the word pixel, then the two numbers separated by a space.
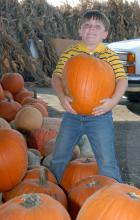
pixel 96 15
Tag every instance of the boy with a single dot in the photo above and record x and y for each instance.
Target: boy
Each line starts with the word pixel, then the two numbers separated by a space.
pixel 98 126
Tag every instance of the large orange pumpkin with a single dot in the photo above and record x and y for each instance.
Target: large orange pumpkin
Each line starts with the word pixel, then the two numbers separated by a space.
pixel 84 189
pixel 37 206
pixel 88 80
pixel 13 158
pixel 115 202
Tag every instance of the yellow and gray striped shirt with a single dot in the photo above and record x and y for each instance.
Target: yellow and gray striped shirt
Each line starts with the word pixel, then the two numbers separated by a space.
pixel 101 51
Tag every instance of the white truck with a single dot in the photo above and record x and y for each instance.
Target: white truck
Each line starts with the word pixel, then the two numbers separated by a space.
pixel 129 53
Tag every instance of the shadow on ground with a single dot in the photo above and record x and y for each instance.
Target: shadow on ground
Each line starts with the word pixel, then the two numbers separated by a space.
pixel 134 107
pixel 53 112
pixel 128 150
pixel 131 106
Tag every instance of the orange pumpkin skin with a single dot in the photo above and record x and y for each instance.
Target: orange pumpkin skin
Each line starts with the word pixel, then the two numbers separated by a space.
pixel 88 80
pixel 40 107
pixel 12 82
pixel 115 202
pixel 37 138
pixel 13 158
pixel 34 173
pixel 22 94
pixel 84 189
pixel 37 206
pixel 30 100
pixel 77 170
pixel 9 109
pixel 1 93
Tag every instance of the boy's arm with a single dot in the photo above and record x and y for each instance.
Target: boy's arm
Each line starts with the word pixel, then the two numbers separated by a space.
pixel 65 100
pixel 121 86
pixel 108 103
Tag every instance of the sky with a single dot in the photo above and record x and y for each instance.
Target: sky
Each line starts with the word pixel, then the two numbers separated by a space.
pixel 70 2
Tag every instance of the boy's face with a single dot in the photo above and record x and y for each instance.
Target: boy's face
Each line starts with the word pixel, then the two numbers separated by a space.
pixel 93 32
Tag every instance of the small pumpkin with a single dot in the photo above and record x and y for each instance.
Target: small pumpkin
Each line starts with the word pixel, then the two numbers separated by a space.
pixel 12 82
pixel 9 109
pixel 33 206
pixel 22 94
pixel 87 80
pixel 28 118
pixel 77 170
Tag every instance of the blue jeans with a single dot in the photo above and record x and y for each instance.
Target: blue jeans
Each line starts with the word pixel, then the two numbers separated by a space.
pixel 100 132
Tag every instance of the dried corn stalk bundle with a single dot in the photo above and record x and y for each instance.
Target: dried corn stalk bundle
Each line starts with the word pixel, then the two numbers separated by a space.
pixel 124 17
pixel 25 45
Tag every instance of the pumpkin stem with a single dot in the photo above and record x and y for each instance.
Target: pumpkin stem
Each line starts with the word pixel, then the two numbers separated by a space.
pixel 30 200
pixel 87 160
pixel 35 93
pixel 42 179
pixel 133 195
pixel 8 99
pixel 91 184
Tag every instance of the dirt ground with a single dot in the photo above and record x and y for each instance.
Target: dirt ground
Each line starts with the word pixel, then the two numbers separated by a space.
pixel 127 129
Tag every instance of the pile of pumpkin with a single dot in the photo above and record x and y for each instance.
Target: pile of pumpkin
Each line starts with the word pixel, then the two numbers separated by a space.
pixel 29 189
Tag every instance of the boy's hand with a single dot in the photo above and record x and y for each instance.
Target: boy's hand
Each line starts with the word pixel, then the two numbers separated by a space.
pixel 107 105
pixel 66 104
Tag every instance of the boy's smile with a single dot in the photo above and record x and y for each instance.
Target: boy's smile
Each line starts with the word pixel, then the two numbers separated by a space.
pixel 92 32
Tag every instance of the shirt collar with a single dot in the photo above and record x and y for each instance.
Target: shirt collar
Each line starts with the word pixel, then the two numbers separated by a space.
pixel 100 48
